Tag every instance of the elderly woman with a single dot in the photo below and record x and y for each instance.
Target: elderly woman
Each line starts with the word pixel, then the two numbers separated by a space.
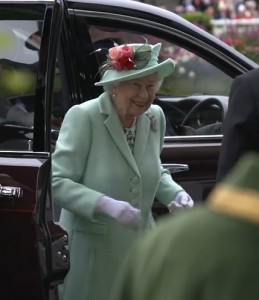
pixel 107 172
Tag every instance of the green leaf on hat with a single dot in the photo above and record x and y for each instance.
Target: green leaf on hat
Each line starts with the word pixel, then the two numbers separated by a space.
pixel 142 56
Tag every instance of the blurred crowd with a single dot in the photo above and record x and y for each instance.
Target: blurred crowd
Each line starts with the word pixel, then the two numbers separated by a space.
pixel 220 9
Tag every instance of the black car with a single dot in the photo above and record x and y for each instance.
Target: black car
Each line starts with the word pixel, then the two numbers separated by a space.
pixel 48 63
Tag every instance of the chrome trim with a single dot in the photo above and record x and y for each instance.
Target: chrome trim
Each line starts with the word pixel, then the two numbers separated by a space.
pixel 175 168
pixel 10 192
pixel 192 138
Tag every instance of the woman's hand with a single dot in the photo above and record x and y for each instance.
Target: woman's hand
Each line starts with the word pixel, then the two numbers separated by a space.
pixel 122 211
pixel 182 200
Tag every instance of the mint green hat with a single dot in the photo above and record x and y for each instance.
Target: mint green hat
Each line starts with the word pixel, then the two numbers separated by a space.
pixel 131 61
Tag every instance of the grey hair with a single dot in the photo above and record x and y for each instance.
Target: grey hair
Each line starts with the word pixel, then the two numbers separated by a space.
pixel 107 87
pixel 158 84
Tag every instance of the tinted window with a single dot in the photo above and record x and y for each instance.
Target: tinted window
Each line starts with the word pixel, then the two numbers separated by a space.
pixel 193 81
pixel 19 56
pixel 192 75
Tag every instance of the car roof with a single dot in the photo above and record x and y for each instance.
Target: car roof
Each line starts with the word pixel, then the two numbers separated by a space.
pixel 159 15
pixel 148 12
pixel 27 1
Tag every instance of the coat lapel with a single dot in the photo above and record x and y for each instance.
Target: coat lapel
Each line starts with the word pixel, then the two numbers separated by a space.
pixel 113 125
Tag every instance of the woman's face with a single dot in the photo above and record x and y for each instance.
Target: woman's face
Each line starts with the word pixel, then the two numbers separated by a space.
pixel 134 97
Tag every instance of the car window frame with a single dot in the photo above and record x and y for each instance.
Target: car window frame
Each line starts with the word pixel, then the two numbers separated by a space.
pixel 183 39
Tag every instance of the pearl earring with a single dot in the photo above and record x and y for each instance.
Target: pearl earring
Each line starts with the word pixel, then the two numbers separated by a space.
pixel 113 95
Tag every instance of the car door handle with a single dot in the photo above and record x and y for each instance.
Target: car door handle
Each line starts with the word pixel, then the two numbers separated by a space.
pixel 174 168
pixel 10 192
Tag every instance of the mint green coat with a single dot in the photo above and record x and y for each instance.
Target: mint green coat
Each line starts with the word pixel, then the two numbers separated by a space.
pixel 92 158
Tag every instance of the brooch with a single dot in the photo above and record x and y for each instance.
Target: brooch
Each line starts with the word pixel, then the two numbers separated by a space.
pixel 153 122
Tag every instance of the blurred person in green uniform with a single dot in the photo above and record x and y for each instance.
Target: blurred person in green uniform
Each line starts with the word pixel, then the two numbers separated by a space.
pixel 208 253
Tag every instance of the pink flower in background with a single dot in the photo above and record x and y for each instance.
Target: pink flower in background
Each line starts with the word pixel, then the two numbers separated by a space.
pixel 238 42
pixel 233 42
pixel 228 41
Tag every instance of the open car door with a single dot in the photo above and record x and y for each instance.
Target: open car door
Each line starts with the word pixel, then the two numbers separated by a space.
pixel 33 254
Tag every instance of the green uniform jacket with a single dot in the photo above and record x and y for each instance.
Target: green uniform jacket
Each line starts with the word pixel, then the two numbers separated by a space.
pixel 92 158
pixel 208 253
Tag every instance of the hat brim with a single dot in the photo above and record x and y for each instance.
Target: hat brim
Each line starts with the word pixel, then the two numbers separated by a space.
pixel 163 69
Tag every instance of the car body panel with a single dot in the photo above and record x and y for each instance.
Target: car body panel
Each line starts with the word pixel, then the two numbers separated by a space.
pixel 33 250
pixel 28 238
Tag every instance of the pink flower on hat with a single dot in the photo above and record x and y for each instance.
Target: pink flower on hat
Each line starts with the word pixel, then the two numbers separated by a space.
pixel 126 57
pixel 121 58
pixel 127 51
pixel 127 63
pixel 115 53
pixel 116 65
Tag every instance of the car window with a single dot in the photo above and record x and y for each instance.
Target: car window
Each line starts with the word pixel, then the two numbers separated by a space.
pixel 19 57
pixel 193 74
pixel 194 80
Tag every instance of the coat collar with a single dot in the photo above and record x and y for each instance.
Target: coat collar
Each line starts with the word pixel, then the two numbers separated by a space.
pixel 113 125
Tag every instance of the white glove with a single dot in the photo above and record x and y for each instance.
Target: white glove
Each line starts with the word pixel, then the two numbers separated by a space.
pixel 122 211
pixel 182 200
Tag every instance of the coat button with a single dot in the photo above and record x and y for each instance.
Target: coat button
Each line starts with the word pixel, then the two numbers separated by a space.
pixel 134 191
pixel 134 202
pixel 135 180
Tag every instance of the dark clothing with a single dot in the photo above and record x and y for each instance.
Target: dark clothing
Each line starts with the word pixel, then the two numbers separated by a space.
pixel 241 127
